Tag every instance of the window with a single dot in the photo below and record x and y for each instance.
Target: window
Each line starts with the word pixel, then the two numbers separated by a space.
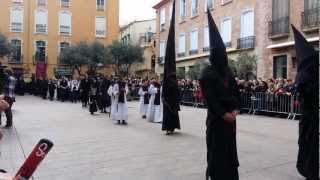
pixel 183 9
pixel 16 20
pixel 311 4
pixel 206 39
pixel 41 19
pixel 280 66
pixel 41 3
pixel 182 45
pixel 65 3
pixel 194 8
pixel 280 18
pixel 247 24
pixel 16 51
pixel 208 5
pixel 100 5
pixel 100 27
pixel 193 42
pixel 226 32
pixel 162 18
pixel 65 23
pixel 162 52
pixel 40 55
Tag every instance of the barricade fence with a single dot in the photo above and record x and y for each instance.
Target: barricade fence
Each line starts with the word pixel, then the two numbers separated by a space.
pixel 251 103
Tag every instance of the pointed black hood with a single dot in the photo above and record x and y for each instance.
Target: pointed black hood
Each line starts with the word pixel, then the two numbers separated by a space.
pixel 307 57
pixel 218 55
pixel 303 48
pixel 170 92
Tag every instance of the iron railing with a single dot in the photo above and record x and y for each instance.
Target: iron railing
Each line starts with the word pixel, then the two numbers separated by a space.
pixel 193 52
pixel 206 49
pixel 65 30
pixel 16 27
pixel 279 27
pixel 310 19
pixel 65 3
pixel 181 54
pixel 41 28
pixel 246 42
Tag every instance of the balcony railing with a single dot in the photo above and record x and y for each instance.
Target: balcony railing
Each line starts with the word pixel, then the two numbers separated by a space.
pixel 37 58
pixel 310 19
pixel 227 44
pixel 41 28
pixel 15 60
pixel 279 27
pixel 206 49
pixel 100 33
pixel 41 3
pixel 100 7
pixel 16 27
pixel 194 51
pixel 246 42
pixel 65 4
pixel 160 60
pixel 181 54
pixel 65 30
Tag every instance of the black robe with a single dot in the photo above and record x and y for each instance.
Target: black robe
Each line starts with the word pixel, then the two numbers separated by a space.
pixel 308 156
pixel 221 96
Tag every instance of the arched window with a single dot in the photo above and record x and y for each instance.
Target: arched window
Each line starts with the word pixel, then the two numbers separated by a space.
pixel 41 21
pixel 65 23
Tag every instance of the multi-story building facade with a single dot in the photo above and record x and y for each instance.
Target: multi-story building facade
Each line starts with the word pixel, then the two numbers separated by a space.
pixel 141 33
pixel 40 29
pixel 252 26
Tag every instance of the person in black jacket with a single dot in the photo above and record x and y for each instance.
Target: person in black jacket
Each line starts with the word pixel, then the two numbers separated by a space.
pixel 221 95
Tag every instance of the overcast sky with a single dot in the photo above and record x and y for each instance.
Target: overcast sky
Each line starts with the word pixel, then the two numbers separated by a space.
pixel 131 10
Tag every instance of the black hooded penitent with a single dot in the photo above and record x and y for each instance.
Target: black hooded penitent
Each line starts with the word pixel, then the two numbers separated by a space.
pixel 307 81
pixel 170 91
pixel 221 96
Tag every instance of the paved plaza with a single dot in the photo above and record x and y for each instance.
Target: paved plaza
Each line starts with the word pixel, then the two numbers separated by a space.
pixel 93 148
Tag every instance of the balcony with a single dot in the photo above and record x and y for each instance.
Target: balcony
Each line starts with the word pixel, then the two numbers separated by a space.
pixel 15 60
pixel 160 60
pixel 41 28
pixel 16 27
pixel 65 30
pixel 65 4
pixel 227 44
pixel 193 52
pixel 246 42
pixel 17 2
pixel 310 20
pixel 206 49
pixel 100 33
pixel 181 55
pixel 100 7
pixel 38 58
pixel 279 28
pixel 41 3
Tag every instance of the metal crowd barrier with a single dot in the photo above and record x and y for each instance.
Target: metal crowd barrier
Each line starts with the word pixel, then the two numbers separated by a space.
pixel 256 103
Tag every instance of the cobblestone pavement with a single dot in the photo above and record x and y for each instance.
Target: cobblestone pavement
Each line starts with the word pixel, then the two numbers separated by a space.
pixel 93 148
